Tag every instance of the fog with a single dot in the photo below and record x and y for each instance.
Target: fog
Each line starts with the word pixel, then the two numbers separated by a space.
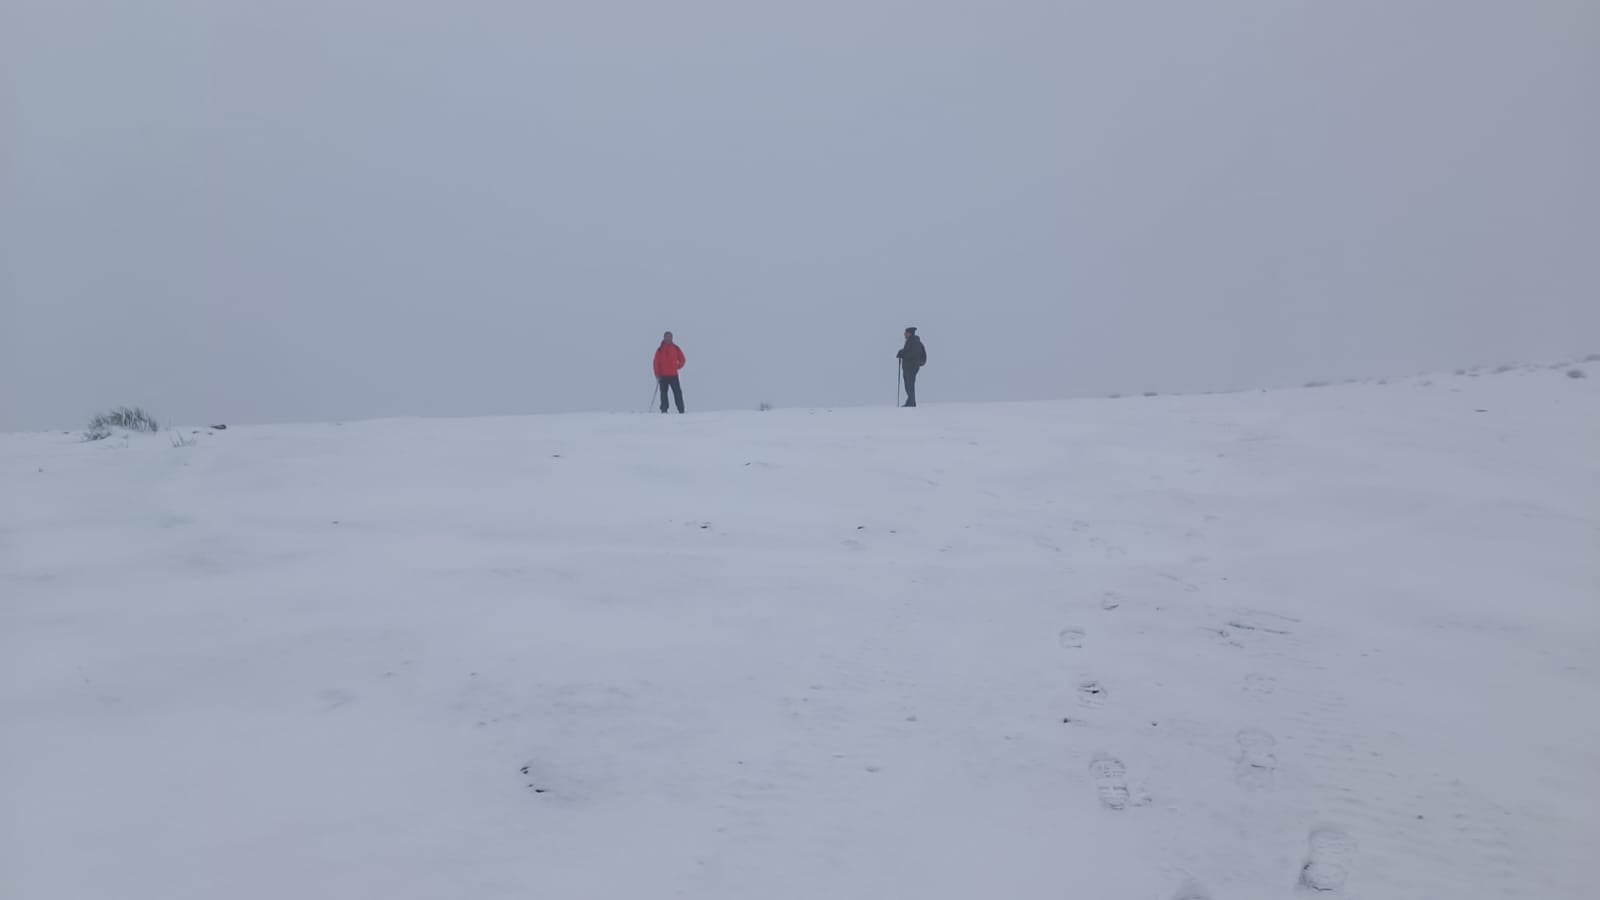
pixel 232 211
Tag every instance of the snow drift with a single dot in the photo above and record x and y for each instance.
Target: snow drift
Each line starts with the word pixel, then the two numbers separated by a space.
pixel 1337 642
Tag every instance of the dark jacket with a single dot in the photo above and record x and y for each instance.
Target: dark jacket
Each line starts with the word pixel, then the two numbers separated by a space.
pixel 913 355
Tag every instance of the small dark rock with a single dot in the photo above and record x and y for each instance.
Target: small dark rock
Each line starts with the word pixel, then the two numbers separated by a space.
pixel 1066 721
pixel 525 771
pixel 1577 373
pixel 221 427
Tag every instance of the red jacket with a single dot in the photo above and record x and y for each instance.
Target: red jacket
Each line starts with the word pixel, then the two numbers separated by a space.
pixel 669 360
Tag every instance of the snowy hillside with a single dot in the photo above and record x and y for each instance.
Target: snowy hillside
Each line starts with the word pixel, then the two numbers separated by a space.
pixel 1338 643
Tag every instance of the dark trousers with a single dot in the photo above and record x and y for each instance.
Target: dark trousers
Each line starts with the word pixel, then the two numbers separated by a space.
pixel 671 381
pixel 910 375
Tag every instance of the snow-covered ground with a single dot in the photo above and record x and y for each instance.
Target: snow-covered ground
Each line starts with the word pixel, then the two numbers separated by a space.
pixel 1340 642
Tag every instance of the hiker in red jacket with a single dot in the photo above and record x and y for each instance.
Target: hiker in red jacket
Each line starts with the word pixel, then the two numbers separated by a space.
pixel 669 360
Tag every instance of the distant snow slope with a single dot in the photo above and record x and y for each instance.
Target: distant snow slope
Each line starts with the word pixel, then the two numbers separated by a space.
pixel 1334 643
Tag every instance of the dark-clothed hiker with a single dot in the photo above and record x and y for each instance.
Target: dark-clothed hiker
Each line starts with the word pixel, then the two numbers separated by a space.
pixel 669 361
pixel 913 356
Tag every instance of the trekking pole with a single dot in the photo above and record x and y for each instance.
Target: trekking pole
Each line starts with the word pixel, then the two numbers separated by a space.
pixel 899 378
pixel 653 392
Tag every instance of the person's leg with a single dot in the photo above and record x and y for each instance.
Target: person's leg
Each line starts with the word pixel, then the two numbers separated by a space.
pixel 911 386
pixel 677 393
pixel 661 388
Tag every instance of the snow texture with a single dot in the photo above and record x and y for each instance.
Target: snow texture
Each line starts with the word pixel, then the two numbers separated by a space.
pixel 1332 643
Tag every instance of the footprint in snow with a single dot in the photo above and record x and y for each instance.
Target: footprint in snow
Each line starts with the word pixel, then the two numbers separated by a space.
pixel 1225 637
pixel 1327 865
pixel 1256 765
pixel 334 698
pixel 1091 693
pixel 1072 638
pixel 1110 600
pixel 1110 781
pixel 1111 785
pixel 1260 685
pixel 1191 890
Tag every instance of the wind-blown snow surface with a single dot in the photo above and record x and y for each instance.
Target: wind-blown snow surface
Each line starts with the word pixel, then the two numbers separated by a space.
pixel 1337 642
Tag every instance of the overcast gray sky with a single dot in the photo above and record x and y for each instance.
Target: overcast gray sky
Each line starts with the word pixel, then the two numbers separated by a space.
pixel 231 210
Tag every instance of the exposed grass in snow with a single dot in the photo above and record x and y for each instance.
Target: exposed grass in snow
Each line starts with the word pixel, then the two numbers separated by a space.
pixel 123 418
